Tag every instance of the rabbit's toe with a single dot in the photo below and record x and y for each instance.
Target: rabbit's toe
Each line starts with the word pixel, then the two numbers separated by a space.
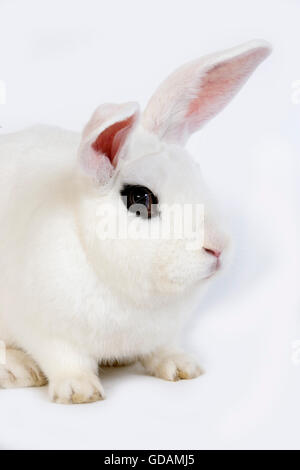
pixel 172 366
pixel 85 388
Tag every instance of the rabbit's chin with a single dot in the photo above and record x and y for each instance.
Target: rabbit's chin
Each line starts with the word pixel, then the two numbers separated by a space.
pixel 177 269
pixel 183 281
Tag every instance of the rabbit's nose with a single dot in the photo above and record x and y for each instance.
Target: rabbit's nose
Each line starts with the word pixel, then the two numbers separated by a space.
pixel 215 253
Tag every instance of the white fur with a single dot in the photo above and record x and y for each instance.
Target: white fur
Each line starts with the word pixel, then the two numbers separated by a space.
pixel 71 300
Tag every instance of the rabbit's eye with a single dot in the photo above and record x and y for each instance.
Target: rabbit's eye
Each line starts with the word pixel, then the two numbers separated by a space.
pixel 140 200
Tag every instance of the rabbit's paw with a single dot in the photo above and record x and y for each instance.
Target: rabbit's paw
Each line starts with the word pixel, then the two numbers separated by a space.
pixel 20 370
pixel 84 388
pixel 171 366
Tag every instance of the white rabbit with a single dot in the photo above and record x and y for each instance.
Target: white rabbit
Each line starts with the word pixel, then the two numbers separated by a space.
pixel 71 298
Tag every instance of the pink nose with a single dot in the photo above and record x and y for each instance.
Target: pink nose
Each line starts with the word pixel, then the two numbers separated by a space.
pixel 215 253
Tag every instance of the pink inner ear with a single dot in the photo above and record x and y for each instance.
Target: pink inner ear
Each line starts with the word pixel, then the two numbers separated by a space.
pixel 217 87
pixel 111 139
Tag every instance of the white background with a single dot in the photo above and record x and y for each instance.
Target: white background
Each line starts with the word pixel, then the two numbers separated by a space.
pixel 59 60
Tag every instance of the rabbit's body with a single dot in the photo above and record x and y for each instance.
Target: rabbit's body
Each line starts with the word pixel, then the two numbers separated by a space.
pixel 49 289
pixel 44 260
pixel 72 299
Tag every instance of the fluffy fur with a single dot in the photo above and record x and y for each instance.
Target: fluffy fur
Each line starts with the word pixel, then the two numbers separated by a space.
pixel 71 300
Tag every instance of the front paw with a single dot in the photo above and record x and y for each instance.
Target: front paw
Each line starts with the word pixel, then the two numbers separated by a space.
pixel 20 370
pixel 172 366
pixel 84 388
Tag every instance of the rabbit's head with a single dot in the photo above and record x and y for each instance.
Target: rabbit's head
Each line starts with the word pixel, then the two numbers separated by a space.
pixel 148 222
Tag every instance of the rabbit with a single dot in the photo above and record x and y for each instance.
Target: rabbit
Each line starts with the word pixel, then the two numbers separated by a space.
pixel 72 298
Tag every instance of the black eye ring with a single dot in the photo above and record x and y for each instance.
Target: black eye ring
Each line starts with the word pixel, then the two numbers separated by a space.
pixel 139 200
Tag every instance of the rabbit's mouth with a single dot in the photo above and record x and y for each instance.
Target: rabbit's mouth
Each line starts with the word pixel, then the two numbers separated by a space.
pixel 214 257
pixel 214 269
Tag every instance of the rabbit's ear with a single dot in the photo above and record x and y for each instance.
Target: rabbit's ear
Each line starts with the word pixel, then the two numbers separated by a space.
pixel 197 91
pixel 104 138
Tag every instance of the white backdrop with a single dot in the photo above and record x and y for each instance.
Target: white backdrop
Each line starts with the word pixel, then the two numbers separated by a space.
pixel 59 60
